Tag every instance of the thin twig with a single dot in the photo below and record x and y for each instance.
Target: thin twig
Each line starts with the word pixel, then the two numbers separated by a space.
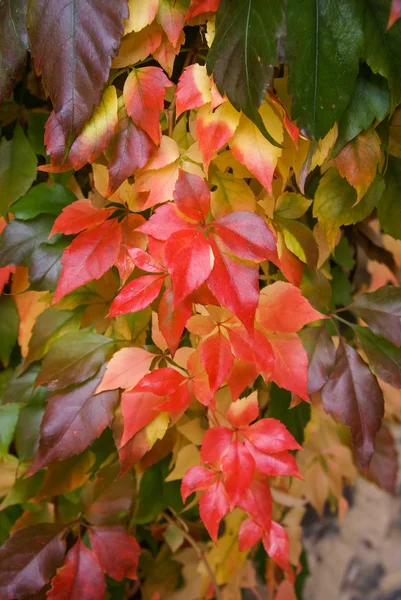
pixel 198 551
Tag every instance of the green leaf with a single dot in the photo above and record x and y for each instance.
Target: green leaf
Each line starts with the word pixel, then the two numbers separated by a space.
pixel 383 357
pixel 20 388
pixel 73 358
pixel 42 199
pixel 20 239
pixel 9 323
pixel 316 288
pixel 295 419
pixel 340 287
pixel 383 48
pixel 36 131
pixel 245 51
pixel 8 422
pixel 370 101
pixel 45 265
pixel 23 489
pixel 17 169
pixel 292 206
pixel 50 325
pixel 381 310
pixel 300 240
pixel 389 207
pixel 151 501
pixel 13 43
pixel 343 254
pixel 324 43
pixel 334 203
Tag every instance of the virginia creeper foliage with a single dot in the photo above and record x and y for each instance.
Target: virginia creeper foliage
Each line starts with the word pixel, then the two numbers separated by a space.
pixel 200 309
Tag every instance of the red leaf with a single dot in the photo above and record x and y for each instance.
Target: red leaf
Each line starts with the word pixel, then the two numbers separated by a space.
pixel 130 238
pixel 172 319
pixel 198 7
pixel 257 502
pixel 290 369
pixel 273 465
pixel 144 261
pixel 116 550
pixel 88 257
pixel 395 12
pixel 80 578
pixel 192 196
pixel 195 479
pixel 241 375
pixel 235 285
pixel 126 368
pixel 199 379
pixel 216 356
pixel 130 148
pixel 247 236
pixel 82 67
pixel 282 307
pixel 136 295
pixel 72 421
pixel 143 93
pixel 238 466
pixel 193 89
pixel 29 559
pixel 189 260
pixel 258 350
pixel 214 129
pixel 215 443
pixel 244 411
pixel 177 401
pixel 139 409
pixel 271 436
pixel 249 533
pixel 78 216
pixel 277 546
pixel 213 506
pixel 164 222
pixel 162 382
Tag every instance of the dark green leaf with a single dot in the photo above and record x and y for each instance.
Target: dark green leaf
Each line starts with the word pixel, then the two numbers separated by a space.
pixel 389 207
pixel 45 265
pixel 8 421
pixel 341 291
pixel 324 43
pixel 50 325
pixel 13 43
pixel 383 357
pixel 17 168
pixel 316 288
pixel 343 254
pixel 151 501
pixel 244 52
pixel 370 101
pixel 42 199
pixel 321 354
pixel 36 131
pixel 9 322
pixel 295 419
pixel 381 310
pixel 28 429
pixel 20 388
pixel 20 238
pixel 353 398
pixel 73 358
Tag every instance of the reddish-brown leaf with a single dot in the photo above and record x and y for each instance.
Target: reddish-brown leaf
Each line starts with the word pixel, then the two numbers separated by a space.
pixel 116 550
pixel 383 467
pixel 197 7
pixel 80 578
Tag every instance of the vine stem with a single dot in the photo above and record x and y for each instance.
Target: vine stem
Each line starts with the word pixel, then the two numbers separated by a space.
pixel 198 551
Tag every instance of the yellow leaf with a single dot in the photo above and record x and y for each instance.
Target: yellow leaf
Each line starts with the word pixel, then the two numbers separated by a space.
pixel 188 456
pixel 29 306
pixel 141 13
pixel 157 428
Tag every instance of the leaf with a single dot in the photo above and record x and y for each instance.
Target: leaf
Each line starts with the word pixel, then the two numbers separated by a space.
pixel 76 86
pixel 136 295
pixel 116 550
pixel 8 421
pixel 130 148
pixel 278 546
pixel 108 499
pixel 213 506
pixel 73 358
pixel 217 359
pixel 383 466
pixel 72 578
pixel 358 161
pixel 189 260
pixel 73 420
pixel 323 39
pixel 244 53
pixel 88 257
pixel 321 354
pixel 238 467
pixel 141 14
pixel 291 206
pixel 42 199
pixel 198 7
pixel 370 101
pixel 78 216
pixel 138 410
pixel 231 195
pixel 381 310
pixel 195 479
pixel 395 12
pixel 335 200
pixel 14 38
pixel 45 266
pixel 387 210
pixel 49 326
pixel 17 168
pixel 20 239
pixel 300 240
pixel 192 196
pixel 66 476
pixel 193 89
pixel 126 368
pixel 8 329
pixel 383 357
pixel 144 91
pixel 29 559
pixel 353 397
pixel 173 318
pixel 290 370
pixel 172 17
pixel 215 129
pixel 136 47
pixel 253 150
pixel 294 418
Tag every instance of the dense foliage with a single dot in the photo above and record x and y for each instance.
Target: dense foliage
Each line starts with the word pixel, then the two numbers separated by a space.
pixel 200 318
